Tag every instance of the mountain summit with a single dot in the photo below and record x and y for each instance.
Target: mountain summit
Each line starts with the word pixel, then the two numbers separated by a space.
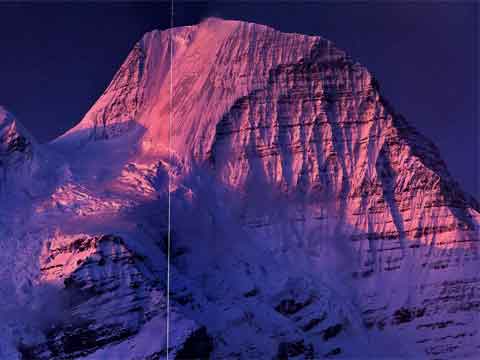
pixel 308 218
pixel 212 65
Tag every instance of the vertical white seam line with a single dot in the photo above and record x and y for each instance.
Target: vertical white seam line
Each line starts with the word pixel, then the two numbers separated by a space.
pixel 169 178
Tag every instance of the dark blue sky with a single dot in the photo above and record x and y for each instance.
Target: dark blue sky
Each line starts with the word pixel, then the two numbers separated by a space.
pixel 57 58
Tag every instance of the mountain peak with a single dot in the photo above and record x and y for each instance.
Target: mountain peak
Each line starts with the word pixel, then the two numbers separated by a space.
pixel 227 58
pixel 14 138
pixel 6 117
pixel 302 207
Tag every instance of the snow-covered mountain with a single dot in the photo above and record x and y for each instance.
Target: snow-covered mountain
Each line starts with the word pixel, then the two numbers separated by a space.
pixel 309 219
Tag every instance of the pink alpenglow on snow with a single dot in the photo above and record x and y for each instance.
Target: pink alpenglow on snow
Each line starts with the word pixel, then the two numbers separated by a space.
pixel 308 218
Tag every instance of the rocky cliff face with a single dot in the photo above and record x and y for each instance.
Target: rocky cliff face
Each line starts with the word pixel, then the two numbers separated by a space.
pixel 17 149
pixel 309 219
